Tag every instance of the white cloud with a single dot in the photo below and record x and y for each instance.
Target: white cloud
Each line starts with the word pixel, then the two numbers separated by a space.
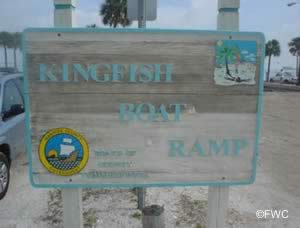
pixel 84 18
pixel 16 15
pixel 193 16
pixel 283 33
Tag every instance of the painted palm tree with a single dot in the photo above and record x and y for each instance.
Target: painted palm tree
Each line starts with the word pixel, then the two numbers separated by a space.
pixel 114 13
pixel 6 41
pixel 272 49
pixel 294 46
pixel 226 54
pixel 16 44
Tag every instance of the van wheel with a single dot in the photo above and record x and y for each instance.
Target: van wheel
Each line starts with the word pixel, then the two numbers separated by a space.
pixel 4 175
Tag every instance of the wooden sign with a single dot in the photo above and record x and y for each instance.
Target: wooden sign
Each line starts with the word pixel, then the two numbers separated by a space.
pixel 124 108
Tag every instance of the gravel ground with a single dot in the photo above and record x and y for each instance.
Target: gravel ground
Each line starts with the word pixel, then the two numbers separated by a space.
pixel 277 187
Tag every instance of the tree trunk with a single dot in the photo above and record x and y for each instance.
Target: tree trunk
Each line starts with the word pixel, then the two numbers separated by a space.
pixel 15 58
pixel 298 67
pixel 5 56
pixel 268 72
pixel 227 67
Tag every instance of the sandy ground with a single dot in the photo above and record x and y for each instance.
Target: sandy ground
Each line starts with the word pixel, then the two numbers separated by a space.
pixel 277 187
pixel 246 72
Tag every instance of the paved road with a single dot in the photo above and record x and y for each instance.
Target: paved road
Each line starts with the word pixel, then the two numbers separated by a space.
pixel 272 86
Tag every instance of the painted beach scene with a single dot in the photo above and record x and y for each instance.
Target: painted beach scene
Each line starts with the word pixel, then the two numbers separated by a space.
pixel 235 62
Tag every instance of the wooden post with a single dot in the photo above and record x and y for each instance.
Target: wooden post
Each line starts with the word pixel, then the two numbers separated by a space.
pixel 142 25
pixel 153 217
pixel 142 14
pixel 141 192
pixel 218 197
pixel 72 208
pixel 217 204
pixel 72 198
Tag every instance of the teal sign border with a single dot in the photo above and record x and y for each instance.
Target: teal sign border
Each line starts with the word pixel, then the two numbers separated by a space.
pixel 97 30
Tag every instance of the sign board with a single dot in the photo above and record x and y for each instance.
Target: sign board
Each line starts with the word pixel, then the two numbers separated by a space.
pixel 124 108
pixel 133 10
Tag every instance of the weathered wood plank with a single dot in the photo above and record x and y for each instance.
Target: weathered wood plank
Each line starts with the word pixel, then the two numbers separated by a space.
pixel 150 141
pixel 190 75
pixel 184 66
pixel 150 36
pixel 121 48
pixel 182 88
pixel 110 103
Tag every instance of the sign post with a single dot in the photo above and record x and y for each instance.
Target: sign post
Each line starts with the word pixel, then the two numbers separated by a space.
pixel 218 196
pixel 64 17
pixel 142 14
pixel 141 192
pixel 141 10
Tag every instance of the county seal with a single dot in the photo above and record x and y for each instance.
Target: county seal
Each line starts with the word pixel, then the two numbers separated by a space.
pixel 63 151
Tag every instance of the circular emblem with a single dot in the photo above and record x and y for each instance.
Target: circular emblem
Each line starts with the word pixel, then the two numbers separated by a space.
pixel 63 151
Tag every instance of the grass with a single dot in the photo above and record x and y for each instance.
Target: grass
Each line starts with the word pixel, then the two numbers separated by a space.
pixel 192 211
pixel 54 215
pixel 137 215
pixel 90 217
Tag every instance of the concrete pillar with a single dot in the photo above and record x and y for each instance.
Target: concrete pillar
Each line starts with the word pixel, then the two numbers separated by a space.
pixel 218 196
pixel 228 16
pixel 64 13
pixel 64 17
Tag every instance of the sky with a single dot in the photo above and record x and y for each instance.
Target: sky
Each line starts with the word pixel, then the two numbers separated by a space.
pixel 272 17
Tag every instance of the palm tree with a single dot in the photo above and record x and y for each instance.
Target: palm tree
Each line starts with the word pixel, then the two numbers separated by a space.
pixel 114 12
pixel 6 40
pixel 16 45
pixel 294 46
pixel 272 49
pixel 226 54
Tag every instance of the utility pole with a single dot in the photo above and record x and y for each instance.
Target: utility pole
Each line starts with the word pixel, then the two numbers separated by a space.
pixel 218 196
pixel 64 17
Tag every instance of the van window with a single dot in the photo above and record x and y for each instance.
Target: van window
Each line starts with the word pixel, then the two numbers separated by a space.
pixel 19 83
pixel 12 100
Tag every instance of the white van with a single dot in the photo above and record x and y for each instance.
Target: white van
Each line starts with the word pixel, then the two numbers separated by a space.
pixel 286 75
